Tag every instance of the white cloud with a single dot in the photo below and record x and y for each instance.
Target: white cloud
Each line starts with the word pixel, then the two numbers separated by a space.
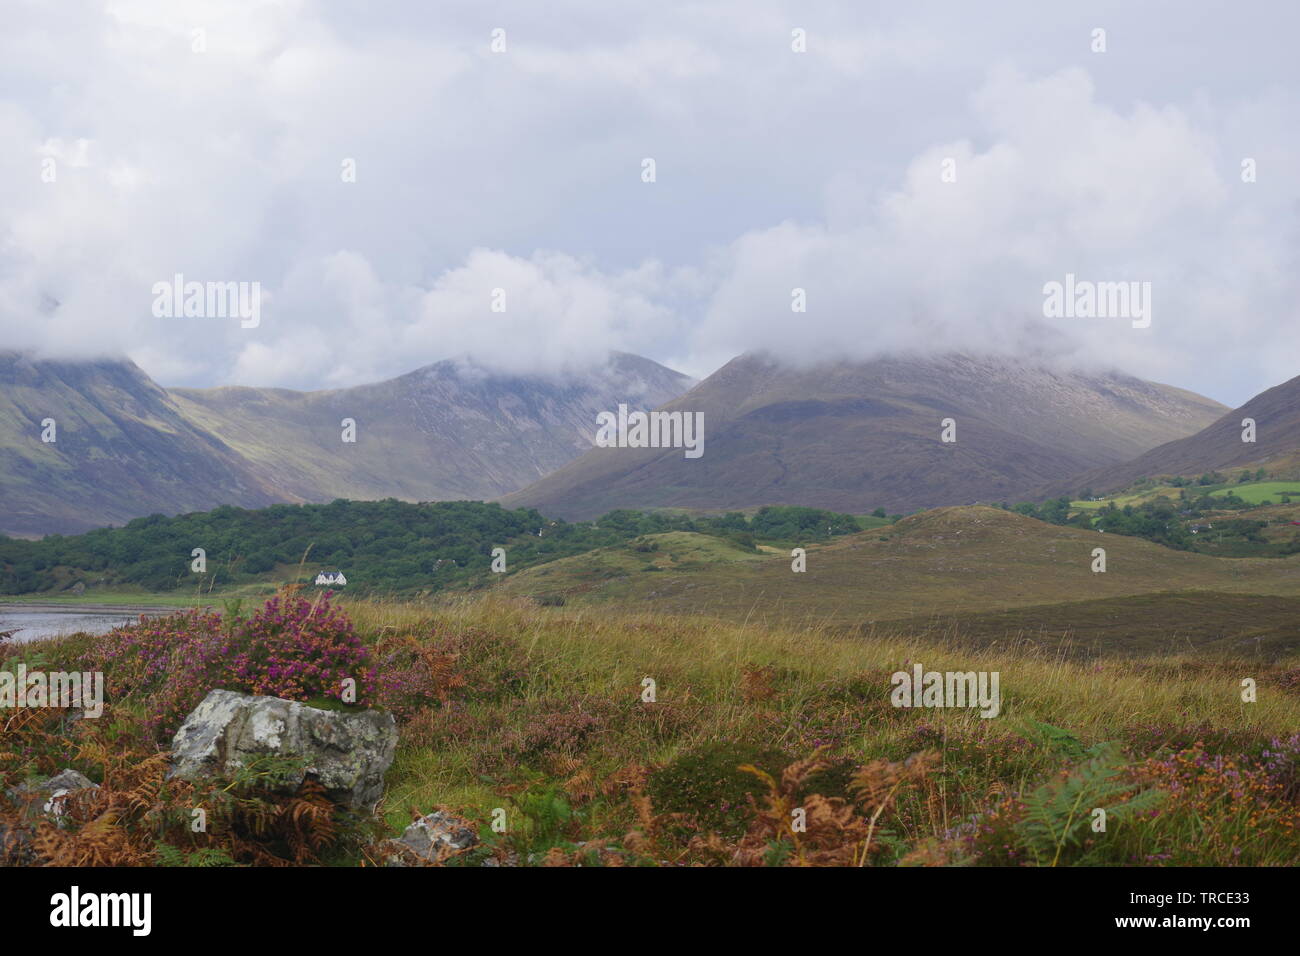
pixel 521 171
pixel 1065 185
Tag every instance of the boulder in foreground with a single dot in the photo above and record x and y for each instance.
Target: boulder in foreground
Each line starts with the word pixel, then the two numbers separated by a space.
pixel 347 752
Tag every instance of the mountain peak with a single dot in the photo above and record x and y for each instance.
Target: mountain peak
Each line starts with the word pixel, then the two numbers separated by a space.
pixel 127 448
pixel 856 435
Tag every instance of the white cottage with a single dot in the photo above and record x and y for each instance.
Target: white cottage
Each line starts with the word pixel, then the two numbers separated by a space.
pixel 331 579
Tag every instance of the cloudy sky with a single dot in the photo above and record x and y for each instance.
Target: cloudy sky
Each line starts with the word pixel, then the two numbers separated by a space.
pixel 211 139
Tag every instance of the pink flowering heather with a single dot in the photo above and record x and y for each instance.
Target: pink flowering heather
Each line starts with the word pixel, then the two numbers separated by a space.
pixel 290 648
pixel 298 650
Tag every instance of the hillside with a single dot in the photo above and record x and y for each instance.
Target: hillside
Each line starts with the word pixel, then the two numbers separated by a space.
pixel 446 431
pixel 1218 446
pixel 500 704
pixel 123 448
pixel 930 566
pixel 856 436
pixel 128 448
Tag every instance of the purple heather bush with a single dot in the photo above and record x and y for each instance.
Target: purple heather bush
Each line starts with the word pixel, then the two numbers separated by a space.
pixel 290 648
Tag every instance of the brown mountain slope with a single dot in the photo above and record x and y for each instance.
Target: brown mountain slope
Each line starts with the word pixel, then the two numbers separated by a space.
pixel 127 448
pixel 1218 446
pixel 449 430
pixel 856 436
pixel 122 449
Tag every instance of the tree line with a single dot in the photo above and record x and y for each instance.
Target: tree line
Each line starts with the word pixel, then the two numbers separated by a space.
pixel 385 545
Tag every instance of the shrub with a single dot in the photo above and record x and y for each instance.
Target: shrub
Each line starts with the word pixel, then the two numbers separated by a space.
pixel 413 676
pixel 299 649
pixel 834 779
pixel 290 648
pixel 494 666
pixel 707 788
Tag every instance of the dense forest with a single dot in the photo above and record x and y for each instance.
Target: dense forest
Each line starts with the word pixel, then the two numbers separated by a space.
pixel 380 545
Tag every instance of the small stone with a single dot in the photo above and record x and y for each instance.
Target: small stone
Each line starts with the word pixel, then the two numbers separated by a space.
pixel 55 790
pixel 431 839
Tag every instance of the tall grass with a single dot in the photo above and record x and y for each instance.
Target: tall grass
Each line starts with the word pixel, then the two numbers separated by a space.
pixel 541 713
pixel 798 689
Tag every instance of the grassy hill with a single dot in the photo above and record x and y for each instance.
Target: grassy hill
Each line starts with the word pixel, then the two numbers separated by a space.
pixel 934 565
pixel 613 573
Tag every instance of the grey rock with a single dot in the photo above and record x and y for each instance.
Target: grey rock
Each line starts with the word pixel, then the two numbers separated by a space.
pixel 46 795
pixel 430 839
pixel 67 779
pixel 60 786
pixel 346 751
pixel 49 795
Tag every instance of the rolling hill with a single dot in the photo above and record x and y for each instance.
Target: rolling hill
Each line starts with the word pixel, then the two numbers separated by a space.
pixel 856 436
pixel 945 570
pixel 128 448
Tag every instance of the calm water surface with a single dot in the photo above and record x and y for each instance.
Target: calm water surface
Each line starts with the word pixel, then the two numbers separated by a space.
pixel 30 624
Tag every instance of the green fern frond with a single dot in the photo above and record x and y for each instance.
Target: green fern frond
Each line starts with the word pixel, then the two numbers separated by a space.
pixel 1058 814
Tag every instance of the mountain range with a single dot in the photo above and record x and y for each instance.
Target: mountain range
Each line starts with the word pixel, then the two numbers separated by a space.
pixel 846 436
pixel 853 436
pixel 124 447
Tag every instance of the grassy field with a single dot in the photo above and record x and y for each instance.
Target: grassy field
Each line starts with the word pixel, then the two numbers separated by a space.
pixel 540 714
pixel 1126 498
pixel 1253 492
pixel 812 687
pixel 114 599
pixel 1205 624
pixel 871 522
pixel 1258 492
